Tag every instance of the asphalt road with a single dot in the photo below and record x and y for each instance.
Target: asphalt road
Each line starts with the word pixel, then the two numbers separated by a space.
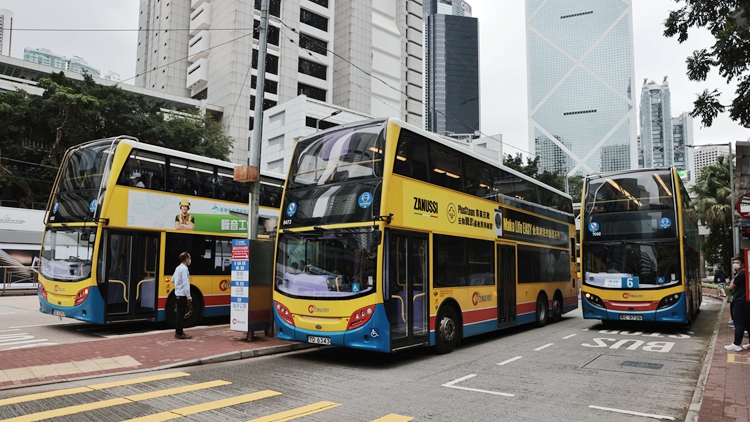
pixel 574 370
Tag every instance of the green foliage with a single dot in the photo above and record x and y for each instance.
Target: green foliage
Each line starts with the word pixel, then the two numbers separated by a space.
pixel 556 180
pixel 37 130
pixel 727 21
pixel 714 209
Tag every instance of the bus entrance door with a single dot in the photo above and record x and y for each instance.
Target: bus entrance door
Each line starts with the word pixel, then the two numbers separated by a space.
pixel 506 289
pixel 407 302
pixel 131 276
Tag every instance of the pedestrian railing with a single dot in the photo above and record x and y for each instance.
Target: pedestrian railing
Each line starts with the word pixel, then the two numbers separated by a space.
pixel 18 279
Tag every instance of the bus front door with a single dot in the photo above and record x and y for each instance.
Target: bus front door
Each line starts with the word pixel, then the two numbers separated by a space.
pixel 407 301
pixel 506 289
pixel 131 276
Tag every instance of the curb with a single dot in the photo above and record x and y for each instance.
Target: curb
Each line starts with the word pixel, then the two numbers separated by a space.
pixel 700 388
pixel 226 357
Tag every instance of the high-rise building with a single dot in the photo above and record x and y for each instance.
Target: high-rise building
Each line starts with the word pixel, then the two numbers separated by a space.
pixel 6 31
pixel 376 68
pixel 47 57
pixel 657 146
pixel 707 155
pixel 664 139
pixel 580 76
pixel 451 68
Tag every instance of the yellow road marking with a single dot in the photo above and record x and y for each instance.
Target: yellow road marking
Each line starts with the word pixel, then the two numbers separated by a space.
pixel 298 412
pixel 88 388
pixel 204 407
pixel 732 358
pixel 394 418
pixel 70 410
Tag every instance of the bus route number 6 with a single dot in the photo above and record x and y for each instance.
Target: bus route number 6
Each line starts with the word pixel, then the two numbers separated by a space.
pixel 630 282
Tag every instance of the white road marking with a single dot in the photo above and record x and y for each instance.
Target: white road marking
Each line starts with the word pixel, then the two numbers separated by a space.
pixel 543 347
pixel 456 381
pixel 13 329
pixel 630 412
pixel 510 360
pixel 585 329
pixel 29 346
pixel 7 313
pixel 40 325
pixel 567 337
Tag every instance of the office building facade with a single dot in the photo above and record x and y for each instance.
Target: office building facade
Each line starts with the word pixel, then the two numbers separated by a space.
pixel 580 76
pixel 452 101
pixel 47 57
pixel 376 69
pixel 6 31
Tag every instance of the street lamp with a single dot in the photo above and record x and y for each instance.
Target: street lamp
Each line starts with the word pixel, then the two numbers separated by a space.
pixel 735 238
pixel 317 122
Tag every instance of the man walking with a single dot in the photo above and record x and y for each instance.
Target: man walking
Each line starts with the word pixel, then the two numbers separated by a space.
pixel 181 280
pixel 720 277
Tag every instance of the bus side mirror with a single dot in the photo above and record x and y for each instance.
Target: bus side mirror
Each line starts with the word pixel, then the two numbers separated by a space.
pixel 376 237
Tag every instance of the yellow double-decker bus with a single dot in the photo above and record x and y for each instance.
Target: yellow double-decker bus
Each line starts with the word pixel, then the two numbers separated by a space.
pixel 392 237
pixel 639 247
pixel 118 217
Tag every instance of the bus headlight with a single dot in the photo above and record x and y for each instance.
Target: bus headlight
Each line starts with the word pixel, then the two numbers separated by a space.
pixel 42 291
pixel 81 296
pixel 360 317
pixel 668 301
pixel 594 299
pixel 283 312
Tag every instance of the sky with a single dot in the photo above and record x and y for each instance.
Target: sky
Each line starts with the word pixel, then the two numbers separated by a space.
pixel 503 74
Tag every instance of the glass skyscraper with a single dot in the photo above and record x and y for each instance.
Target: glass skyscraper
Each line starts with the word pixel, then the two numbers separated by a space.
pixel 451 67
pixel 580 76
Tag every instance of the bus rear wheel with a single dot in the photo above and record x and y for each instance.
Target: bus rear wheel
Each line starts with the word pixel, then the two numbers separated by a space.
pixel 446 330
pixel 541 310
pixel 556 308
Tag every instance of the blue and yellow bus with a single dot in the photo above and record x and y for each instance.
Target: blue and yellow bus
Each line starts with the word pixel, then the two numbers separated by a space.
pixel 119 215
pixel 392 237
pixel 639 247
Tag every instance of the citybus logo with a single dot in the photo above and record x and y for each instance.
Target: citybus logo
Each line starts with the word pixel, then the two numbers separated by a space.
pixel 59 289
pixel 630 295
pixel 313 309
pixel 476 298
pixel 224 285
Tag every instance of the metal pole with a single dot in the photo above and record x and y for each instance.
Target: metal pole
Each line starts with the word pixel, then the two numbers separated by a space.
pixel 735 243
pixel 254 159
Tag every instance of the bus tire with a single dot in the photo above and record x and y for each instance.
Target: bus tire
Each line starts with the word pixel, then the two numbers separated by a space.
pixel 542 310
pixel 192 315
pixel 557 308
pixel 446 330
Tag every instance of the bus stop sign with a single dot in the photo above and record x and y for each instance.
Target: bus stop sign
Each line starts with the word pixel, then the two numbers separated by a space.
pixel 743 206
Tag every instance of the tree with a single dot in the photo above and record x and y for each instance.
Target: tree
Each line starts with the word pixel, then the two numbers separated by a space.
pixel 730 54
pixel 715 211
pixel 35 131
pixel 516 163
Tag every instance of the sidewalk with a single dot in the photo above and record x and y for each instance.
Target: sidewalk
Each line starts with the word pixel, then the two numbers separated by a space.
pixel 136 353
pixel 727 388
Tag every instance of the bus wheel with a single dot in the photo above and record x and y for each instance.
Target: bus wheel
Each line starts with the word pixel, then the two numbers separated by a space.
pixel 192 314
pixel 446 330
pixel 541 310
pixel 556 308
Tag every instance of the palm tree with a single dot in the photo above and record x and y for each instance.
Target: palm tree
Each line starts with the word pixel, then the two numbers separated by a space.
pixel 715 210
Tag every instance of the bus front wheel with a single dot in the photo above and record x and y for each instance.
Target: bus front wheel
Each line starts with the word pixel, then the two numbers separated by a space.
pixel 446 330
pixel 541 310
pixel 192 314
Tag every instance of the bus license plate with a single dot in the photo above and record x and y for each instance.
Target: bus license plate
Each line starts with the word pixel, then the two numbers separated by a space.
pixel 631 317
pixel 318 340
pixel 57 312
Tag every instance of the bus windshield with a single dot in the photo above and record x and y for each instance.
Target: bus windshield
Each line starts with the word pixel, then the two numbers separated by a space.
pixel 631 265
pixel 631 192
pixel 346 154
pixel 326 263
pixel 79 184
pixel 67 252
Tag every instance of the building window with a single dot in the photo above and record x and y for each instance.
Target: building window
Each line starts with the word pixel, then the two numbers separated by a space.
pixel 272 35
pixel 323 3
pixel 311 92
pixel 313 44
pixel 314 69
pixel 313 19
pixel 272 63
pixel 274 7
pixel 313 122
pixel 266 103
pixel 272 87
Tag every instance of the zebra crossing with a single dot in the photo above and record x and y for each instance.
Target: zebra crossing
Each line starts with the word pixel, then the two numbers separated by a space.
pixel 25 407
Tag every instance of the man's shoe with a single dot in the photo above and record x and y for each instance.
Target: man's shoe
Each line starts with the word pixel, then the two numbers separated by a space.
pixel 182 336
pixel 746 346
pixel 733 348
pixel 731 324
